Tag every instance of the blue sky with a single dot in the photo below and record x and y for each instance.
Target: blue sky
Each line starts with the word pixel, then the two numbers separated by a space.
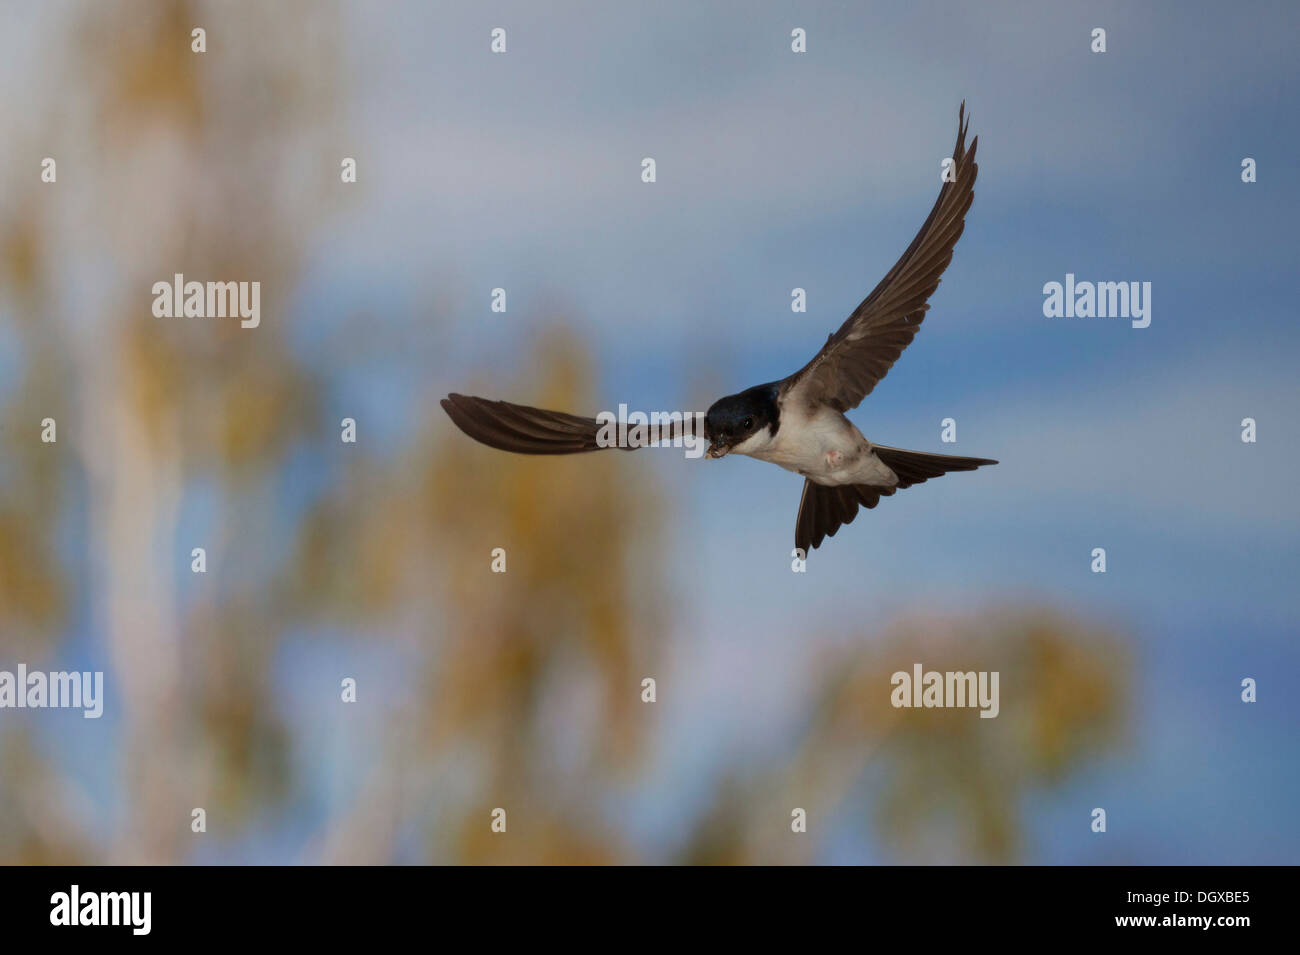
pixel 777 171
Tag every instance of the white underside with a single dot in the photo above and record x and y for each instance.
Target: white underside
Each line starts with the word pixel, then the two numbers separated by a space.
pixel 822 445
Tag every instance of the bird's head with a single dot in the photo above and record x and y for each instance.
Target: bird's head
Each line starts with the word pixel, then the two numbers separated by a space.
pixel 733 420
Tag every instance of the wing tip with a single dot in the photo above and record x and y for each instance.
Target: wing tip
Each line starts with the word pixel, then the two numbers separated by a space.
pixel 963 153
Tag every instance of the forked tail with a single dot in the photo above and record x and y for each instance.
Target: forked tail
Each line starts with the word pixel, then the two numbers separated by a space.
pixel 822 510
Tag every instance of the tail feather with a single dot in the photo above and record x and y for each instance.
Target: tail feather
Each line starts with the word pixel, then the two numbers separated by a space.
pixel 913 467
pixel 823 510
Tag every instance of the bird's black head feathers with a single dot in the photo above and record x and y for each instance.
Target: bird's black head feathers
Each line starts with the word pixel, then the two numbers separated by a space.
pixel 732 419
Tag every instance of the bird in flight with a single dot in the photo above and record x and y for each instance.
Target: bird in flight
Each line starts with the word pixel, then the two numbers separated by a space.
pixel 798 422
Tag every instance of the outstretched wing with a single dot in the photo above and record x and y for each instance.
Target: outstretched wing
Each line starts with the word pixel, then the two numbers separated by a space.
pixel 871 339
pixel 525 430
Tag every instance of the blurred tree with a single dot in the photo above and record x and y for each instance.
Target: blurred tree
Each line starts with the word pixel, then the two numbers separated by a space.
pixel 172 161
pixel 940 784
pixel 571 623
pixel 169 161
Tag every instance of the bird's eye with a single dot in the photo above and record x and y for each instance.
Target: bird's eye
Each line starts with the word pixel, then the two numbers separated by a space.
pixel 749 423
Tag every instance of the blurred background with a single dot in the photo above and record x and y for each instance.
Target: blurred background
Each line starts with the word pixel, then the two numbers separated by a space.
pixel 522 690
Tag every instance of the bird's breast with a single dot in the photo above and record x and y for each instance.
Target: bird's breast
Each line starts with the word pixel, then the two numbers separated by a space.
pixel 820 444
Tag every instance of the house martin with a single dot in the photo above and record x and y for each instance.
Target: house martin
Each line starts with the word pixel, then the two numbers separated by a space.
pixel 798 422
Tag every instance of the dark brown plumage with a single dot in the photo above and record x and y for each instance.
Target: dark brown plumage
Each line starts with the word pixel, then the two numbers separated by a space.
pixel 525 430
pixel 866 346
